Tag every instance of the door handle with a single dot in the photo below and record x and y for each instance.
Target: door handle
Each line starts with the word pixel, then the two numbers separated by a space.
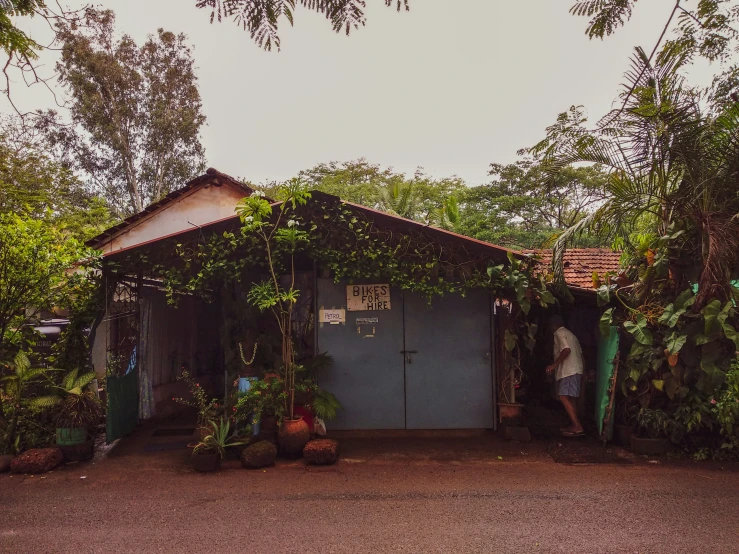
pixel 408 353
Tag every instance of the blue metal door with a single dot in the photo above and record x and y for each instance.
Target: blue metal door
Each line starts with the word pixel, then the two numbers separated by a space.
pixel 367 373
pixel 448 368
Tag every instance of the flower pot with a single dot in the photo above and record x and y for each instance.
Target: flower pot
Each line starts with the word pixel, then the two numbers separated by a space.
pixel 623 434
pixel 509 411
pixel 71 435
pixel 293 436
pixel 649 447
pixel 206 462
pixel 78 452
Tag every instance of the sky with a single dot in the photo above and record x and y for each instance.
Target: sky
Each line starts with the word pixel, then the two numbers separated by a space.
pixel 450 86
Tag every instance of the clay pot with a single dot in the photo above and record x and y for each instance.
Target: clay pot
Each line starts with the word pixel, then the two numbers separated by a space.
pixel 510 412
pixel 206 462
pixel 293 436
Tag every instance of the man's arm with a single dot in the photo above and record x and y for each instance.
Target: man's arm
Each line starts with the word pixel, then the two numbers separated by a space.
pixel 561 358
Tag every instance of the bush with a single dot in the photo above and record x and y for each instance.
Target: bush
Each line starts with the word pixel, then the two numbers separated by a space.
pixel 727 412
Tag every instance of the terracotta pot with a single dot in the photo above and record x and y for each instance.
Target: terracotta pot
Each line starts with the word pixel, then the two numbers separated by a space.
pixel 206 462
pixel 293 436
pixel 649 447
pixel 510 411
pixel 78 452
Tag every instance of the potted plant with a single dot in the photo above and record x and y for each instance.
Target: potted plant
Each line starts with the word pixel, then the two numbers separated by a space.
pixel 654 428
pixel 207 454
pixel 281 236
pixel 325 405
pixel 75 409
pixel 206 408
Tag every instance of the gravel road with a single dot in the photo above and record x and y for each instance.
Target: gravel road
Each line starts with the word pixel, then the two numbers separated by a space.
pixel 155 503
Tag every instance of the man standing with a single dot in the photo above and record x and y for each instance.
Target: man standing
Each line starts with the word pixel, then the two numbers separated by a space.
pixel 569 368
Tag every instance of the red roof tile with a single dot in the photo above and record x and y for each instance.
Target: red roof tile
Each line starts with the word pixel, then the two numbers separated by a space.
pixel 581 263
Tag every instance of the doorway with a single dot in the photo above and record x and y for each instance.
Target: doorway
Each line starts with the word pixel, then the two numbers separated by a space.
pixel 412 366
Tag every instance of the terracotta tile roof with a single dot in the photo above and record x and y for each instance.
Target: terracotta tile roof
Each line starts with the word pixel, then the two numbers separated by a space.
pixel 580 263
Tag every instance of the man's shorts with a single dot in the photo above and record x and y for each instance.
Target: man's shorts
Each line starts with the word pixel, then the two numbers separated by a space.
pixel 569 386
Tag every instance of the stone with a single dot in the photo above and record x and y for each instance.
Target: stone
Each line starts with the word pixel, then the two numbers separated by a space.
pixel 37 460
pixel 515 433
pixel 5 460
pixel 257 455
pixel 321 452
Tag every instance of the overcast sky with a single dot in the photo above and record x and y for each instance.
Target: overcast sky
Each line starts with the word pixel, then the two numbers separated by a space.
pixel 450 86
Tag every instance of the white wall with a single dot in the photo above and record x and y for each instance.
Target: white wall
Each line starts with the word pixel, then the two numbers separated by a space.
pixel 202 206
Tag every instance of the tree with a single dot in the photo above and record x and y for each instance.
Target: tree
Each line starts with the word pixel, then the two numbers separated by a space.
pixel 34 261
pixel 34 184
pixel 667 160
pixel 519 210
pixel 20 49
pixel 261 17
pixel 709 30
pixel 356 181
pixel 136 112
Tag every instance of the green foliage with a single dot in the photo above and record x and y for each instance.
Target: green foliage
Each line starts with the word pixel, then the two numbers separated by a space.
pixel 261 17
pixel 34 261
pixel 655 424
pixel 20 382
pixel 35 185
pixel 136 110
pixel 72 403
pixel 265 397
pixel 727 411
pixel 706 28
pixel 218 440
pixel 519 209
pixel 325 405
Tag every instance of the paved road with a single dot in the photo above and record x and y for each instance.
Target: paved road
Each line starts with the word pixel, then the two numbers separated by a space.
pixel 155 504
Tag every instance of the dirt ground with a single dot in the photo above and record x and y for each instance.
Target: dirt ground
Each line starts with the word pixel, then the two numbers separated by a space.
pixel 397 494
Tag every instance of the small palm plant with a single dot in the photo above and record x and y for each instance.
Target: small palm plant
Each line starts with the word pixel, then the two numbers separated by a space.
pixel 75 405
pixel 17 384
pixel 218 440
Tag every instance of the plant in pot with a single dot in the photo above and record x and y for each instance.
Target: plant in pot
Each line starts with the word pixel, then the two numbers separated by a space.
pixel 654 428
pixel 279 232
pixel 264 400
pixel 206 407
pixel 76 408
pixel 325 405
pixel 207 454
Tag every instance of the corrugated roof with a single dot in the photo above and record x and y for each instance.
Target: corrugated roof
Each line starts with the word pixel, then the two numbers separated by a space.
pixel 381 218
pixel 210 177
pixel 581 263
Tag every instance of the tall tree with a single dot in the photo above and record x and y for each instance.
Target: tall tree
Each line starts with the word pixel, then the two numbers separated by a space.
pixel 136 112
pixel 34 184
pixel 519 209
pixel 668 158
pixel 262 17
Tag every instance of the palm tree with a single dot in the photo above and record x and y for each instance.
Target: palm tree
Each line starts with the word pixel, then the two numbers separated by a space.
pixel 667 161
pixel 400 198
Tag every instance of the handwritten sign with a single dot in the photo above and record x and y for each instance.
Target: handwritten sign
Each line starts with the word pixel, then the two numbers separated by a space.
pixel 367 297
pixel 334 317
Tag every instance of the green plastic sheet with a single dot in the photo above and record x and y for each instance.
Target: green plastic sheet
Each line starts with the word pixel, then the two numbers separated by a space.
pixel 607 350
